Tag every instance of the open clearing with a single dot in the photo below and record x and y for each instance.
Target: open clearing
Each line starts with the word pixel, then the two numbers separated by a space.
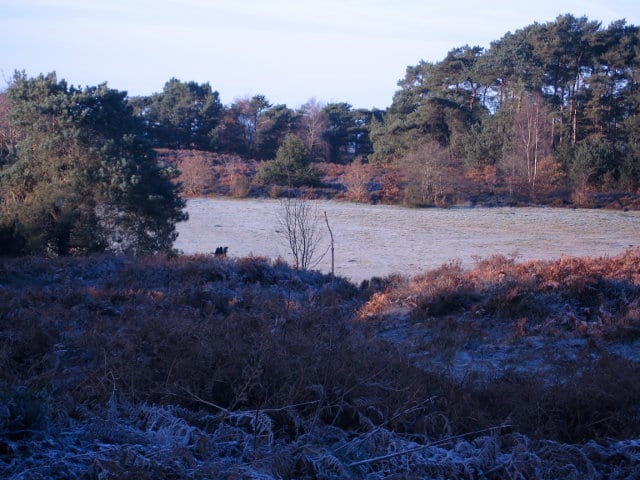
pixel 377 240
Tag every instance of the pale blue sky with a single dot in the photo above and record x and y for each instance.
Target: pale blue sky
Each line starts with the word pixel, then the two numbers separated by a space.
pixel 289 50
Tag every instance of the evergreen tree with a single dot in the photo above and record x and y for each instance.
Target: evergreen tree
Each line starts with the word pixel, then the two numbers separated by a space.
pixel 273 126
pixel 184 115
pixel 291 166
pixel 81 178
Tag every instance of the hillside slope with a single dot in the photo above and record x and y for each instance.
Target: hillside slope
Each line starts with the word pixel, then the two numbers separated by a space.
pixel 203 367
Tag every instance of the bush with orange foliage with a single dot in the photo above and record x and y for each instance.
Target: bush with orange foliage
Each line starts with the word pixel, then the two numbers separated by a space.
pixel 572 292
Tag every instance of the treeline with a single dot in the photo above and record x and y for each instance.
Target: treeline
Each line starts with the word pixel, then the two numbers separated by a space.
pixel 549 113
pixel 188 115
pixel 549 108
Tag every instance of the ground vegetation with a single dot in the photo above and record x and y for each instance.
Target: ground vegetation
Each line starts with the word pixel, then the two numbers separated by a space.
pixel 210 367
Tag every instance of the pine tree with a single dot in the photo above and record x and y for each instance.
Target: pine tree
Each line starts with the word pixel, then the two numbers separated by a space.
pixel 80 177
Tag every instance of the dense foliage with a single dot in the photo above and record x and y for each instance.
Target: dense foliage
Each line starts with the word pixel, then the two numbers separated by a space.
pixel 202 367
pixel 549 98
pixel 291 166
pixel 76 175
pixel 549 110
pixel 187 115
pixel 182 116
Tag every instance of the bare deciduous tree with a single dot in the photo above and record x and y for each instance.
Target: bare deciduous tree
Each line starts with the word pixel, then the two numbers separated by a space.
pixel 311 129
pixel 530 144
pixel 430 174
pixel 300 226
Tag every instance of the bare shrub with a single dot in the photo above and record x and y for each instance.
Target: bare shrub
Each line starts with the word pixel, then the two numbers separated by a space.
pixel 276 191
pixel 240 186
pixel 300 226
pixel 391 187
pixel 550 176
pixel 588 297
pixel 196 173
pixel 238 177
pixel 431 176
pixel 485 178
pixel 356 178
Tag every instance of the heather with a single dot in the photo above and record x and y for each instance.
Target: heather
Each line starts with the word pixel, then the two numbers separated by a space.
pixel 204 367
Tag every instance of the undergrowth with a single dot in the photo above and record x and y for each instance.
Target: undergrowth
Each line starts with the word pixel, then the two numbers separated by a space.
pixel 203 367
pixel 583 296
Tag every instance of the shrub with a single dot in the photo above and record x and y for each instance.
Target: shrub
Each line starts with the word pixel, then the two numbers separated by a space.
pixel 196 174
pixel 356 179
pixel 240 186
pixel 237 362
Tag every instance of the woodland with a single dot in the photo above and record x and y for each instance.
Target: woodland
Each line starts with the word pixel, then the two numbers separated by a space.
pixel 122 358
pixel 547 114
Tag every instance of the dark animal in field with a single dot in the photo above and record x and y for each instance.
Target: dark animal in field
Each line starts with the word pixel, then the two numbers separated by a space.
pixel 221 251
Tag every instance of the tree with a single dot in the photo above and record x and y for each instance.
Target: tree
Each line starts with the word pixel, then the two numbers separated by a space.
pixel 183 115
pixel 486 141
pixel 454 76
pixel 531 141
pixel 478 104
pixel 81 178
pixel 300 226
pixel 291 166
pixel 436 102
pixel 347 131
pixel 230 134
pixel 274 123
pixel 311 129
pixel 594 163
pixel 239 129
pixel 337 135
pixel 430 175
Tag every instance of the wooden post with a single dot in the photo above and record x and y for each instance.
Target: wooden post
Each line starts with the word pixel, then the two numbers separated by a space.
pixel 332 251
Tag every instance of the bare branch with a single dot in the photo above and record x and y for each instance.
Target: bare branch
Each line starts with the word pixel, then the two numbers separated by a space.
pixel 299 224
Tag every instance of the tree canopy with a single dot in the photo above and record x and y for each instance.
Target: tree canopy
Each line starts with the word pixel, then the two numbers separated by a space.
pixel 569 86
pixel 183 115
pixel 552 108
pixel 78 176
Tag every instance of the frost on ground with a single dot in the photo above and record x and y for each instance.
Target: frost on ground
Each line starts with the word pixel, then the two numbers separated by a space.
pixel 379 240
pixel 202 367
pixel 151 441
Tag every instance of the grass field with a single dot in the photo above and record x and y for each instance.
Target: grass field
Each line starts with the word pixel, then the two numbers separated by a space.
pixel 377 240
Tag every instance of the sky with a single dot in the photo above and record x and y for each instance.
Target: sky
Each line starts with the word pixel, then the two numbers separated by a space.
pixel 291 51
